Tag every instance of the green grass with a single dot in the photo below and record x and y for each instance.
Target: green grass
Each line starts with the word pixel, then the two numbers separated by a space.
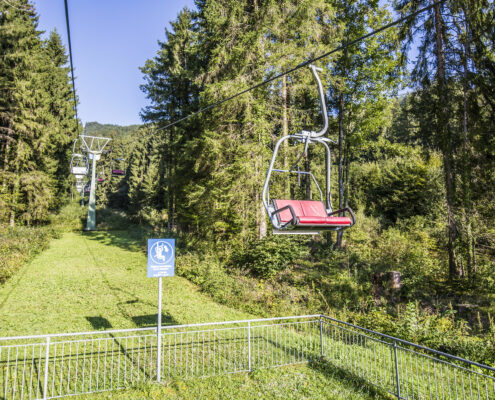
pixel 312 381
pixel 19 244
pixel 92 281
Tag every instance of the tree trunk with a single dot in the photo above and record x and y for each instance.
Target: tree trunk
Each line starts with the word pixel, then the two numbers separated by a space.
pixel 170 189
pixel 15 193
pixel 446 143
pixel 466 170
pixel 340 234
pixel 262 220
pixel 308 178
pixel 346 175
pixel 285 129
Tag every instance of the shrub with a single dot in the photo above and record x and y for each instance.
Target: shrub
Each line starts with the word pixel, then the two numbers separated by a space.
pixel 409 249
pixel 271 254
pixel 18 245
pixel 398 188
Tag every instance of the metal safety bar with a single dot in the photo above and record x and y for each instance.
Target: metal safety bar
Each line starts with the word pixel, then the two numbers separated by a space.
pixel 53 366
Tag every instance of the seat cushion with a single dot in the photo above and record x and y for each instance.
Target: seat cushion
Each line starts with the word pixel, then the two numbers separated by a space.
pixel 312 220
pixel 286 216
pixel 308 212
pixel 338 221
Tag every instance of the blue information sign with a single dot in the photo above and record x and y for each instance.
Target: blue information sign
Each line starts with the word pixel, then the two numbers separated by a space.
pixel 161 257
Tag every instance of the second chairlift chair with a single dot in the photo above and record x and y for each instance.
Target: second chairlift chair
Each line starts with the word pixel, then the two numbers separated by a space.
pixel 306 216
pixel 79 165
pixel 101 178
pixel 118 165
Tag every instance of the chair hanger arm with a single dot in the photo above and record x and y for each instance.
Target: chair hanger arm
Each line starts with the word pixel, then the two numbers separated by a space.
pixel 321 94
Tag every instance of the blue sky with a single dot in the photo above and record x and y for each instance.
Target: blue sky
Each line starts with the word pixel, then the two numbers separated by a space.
pixel 111 39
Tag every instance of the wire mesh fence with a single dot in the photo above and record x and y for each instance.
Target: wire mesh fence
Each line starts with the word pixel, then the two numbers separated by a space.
pixel 42 367
pixel 403 369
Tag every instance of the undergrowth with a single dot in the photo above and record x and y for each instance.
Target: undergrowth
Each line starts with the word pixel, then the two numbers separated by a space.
pixel 19 244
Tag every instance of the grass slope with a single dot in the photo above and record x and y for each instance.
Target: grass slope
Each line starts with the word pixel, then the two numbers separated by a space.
pixel 313 381
pixel 91 281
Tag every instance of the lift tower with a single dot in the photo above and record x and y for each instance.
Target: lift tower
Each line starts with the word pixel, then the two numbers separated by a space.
pixel 94 146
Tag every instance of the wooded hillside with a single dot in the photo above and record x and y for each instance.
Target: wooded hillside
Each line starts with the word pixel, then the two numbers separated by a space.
pixel 37 124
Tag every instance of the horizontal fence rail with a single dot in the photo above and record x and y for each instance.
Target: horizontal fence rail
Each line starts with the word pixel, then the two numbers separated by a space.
pixel 52 366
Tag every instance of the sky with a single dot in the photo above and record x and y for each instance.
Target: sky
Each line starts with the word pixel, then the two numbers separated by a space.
pixel 110 39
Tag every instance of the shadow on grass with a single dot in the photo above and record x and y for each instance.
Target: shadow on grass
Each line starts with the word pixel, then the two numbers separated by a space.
pixel 351 380
pixel 143 321
pixel 99 323
pixel 130 239
pixel 115 229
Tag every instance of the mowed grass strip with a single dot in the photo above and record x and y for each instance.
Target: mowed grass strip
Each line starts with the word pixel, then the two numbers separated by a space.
pixel 94 281
pixel 314 381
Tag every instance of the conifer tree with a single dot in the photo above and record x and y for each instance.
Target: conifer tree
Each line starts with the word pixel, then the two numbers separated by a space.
pixel 362 79
pixel 34 117
pixel 451 80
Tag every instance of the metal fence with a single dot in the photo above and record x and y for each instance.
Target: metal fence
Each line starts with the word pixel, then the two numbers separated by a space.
pixel 50 366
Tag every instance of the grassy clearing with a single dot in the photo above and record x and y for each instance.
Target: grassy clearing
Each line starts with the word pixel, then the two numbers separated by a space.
pixel 92 281
pixel 313 381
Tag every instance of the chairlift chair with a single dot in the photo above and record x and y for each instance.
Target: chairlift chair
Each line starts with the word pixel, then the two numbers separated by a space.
pixel 79 165
pixel 80 186
pixel 289 216
pixel 118 165
pixel 101 178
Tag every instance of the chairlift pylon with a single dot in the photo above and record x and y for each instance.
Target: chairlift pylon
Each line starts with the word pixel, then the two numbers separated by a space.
pixel 290 216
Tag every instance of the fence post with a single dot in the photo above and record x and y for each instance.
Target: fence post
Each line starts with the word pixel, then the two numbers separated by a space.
pixel 397 376
pixel 321 337
pixel 47 357
pixel 249 347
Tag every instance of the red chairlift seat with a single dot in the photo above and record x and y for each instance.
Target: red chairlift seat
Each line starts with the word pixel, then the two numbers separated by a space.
pixel 119 172
pixel 309 214
pixel 306 216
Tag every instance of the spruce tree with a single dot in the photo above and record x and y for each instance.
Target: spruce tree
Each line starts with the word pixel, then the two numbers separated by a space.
pixel 34 117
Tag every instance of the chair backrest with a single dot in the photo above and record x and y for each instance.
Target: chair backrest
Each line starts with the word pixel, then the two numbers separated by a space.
pixel 313 208
pixel 302 208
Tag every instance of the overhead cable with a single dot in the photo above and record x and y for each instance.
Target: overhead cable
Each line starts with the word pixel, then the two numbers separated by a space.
pixel 70 58
pixel 301 65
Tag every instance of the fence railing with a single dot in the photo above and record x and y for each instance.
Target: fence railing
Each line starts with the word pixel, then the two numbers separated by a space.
pixel 51 366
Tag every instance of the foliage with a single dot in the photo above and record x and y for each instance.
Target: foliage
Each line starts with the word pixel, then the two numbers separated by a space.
pixel 399 188
pixel 267 256
pixel 111 130
pixel 37 122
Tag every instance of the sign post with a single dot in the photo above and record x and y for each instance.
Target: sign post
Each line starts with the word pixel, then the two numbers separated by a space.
pixel 161 262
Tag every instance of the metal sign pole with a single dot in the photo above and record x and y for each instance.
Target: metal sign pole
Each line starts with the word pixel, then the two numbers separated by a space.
pixel 158 332
pixel 161 262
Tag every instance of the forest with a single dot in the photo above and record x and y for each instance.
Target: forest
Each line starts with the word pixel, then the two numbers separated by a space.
pixel 411 110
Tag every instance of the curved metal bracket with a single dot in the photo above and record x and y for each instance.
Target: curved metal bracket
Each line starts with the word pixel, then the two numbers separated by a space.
pixel 321 94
